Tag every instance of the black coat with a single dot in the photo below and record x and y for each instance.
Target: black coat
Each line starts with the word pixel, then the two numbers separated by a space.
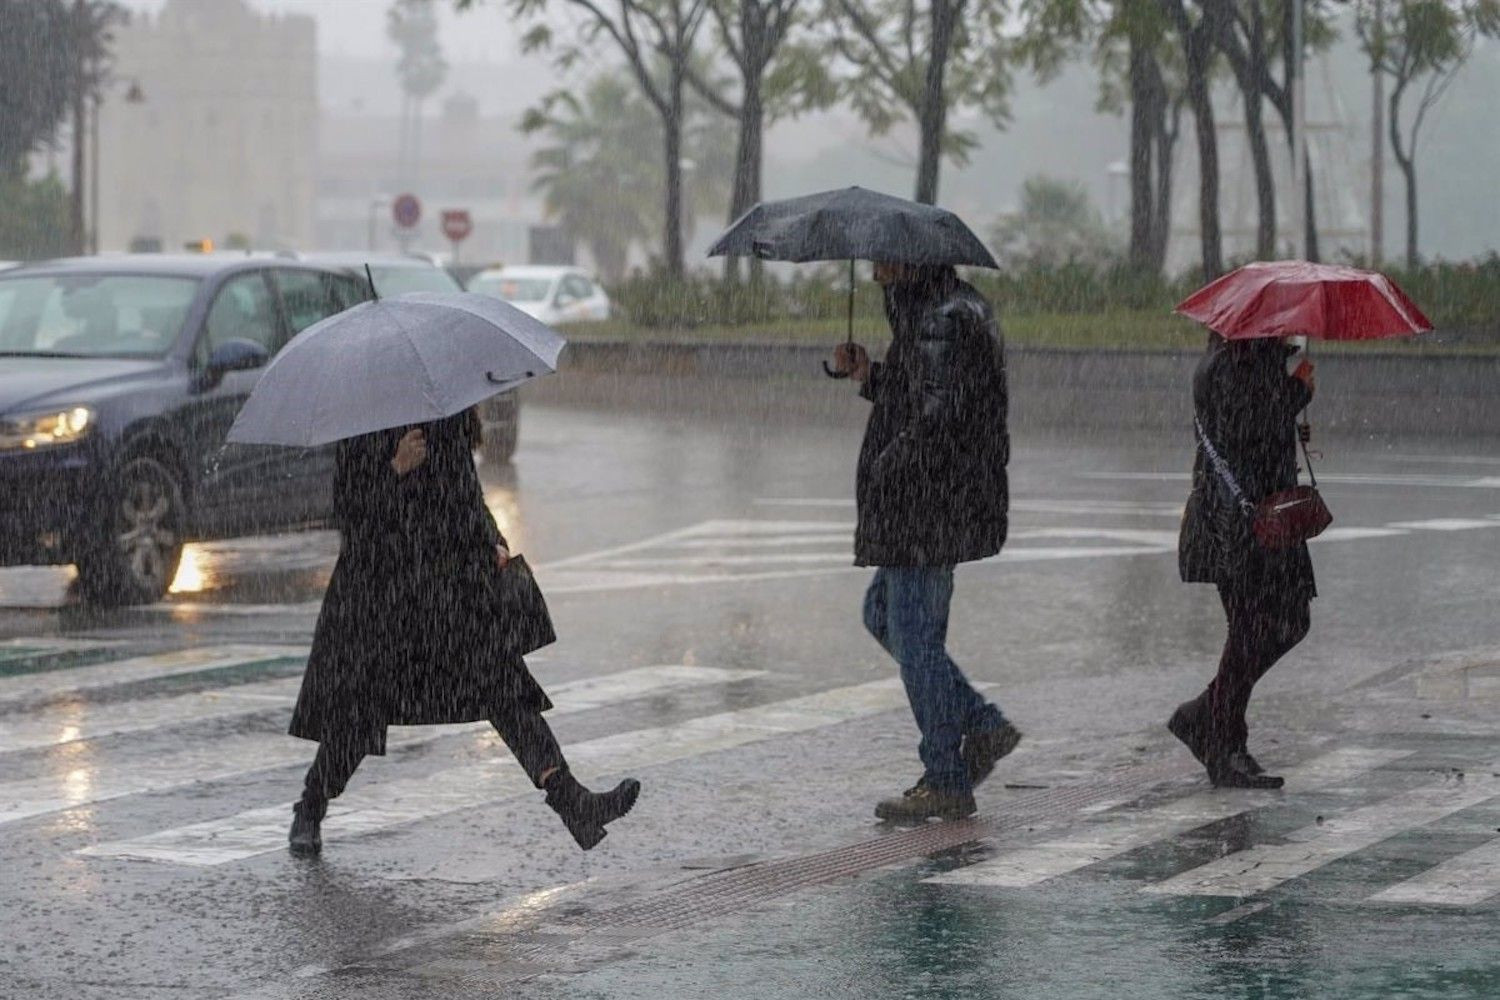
pixel 932 487
pixel 1248 406
pixel 409 631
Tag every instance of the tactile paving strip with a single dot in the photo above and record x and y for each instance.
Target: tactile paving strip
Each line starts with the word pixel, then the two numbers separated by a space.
pixel 736 889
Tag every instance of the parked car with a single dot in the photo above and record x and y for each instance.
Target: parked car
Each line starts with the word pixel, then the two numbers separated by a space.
pixel 551 294
pixel 120 378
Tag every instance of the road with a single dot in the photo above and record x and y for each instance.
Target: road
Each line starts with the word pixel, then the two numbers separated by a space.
pixel 698 571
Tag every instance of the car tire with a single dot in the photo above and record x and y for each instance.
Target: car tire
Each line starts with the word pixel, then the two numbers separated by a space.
pixel 134 557
pixel 502 432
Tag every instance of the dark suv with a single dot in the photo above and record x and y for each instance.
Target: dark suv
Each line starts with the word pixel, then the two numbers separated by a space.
pixel 119 379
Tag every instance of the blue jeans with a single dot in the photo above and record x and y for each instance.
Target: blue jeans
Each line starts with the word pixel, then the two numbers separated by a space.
pixel 906 610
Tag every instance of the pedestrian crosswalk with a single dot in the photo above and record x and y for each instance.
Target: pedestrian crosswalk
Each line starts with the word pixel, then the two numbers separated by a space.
pixel 1340 801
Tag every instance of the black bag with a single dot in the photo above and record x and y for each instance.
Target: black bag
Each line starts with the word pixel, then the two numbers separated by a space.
pixel 521 608
pixel 1283 519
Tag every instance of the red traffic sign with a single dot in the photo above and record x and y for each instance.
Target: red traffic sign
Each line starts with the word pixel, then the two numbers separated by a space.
pixel 406 210
pixel 456 224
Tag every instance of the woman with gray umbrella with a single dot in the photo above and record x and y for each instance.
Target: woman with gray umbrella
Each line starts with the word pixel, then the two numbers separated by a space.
pixel 427 616
pixel 414 630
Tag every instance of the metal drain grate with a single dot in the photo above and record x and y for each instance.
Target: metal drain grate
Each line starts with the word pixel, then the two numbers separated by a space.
pixel 737 889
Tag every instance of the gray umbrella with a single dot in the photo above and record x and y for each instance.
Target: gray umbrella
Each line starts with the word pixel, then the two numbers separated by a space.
pixel 406 360
pixel 854 224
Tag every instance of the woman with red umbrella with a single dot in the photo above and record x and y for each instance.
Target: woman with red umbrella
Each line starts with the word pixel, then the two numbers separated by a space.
pixel 1246 522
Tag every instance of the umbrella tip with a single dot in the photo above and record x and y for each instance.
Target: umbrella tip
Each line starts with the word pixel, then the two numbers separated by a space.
pixel 371 279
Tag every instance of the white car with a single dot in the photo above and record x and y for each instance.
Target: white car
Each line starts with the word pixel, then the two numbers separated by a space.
pixel 551 294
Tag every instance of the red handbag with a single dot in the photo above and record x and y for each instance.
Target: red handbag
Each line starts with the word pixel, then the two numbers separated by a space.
pixel 1286 517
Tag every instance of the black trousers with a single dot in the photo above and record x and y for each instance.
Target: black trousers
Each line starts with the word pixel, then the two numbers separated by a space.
pixel 1265 623
pixel 524 731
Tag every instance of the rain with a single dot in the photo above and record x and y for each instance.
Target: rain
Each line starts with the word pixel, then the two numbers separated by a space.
pixel 749 498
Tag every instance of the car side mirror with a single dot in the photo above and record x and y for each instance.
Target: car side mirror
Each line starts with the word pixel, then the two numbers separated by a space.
pixel 237 354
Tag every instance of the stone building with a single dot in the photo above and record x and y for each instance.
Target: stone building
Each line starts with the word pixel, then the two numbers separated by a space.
pixel 223 139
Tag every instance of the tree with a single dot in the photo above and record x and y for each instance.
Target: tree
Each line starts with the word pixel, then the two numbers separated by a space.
pixel 921 62
pixel 1057 224
pixel 421 68
pixel 775 78
pixel 601 172
pixel 657 39
pixel 92 25
pixel 1412 40
pixel 1196 37
pixel 33 217
pixel 1140 68
pixel 37 77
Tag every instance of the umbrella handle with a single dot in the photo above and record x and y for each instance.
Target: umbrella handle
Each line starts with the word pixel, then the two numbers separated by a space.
pixel 833 374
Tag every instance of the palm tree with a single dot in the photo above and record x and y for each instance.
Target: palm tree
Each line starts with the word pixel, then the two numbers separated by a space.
pixel 413 26
pixel 601 175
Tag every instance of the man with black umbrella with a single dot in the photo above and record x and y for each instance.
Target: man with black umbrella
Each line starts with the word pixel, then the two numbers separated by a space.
pixel 932 492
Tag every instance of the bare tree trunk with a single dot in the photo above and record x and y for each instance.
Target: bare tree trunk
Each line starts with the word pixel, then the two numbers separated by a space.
pixel 1144 108
pixel 932 118
pixel 747 168
pixel 672 251
pixel 80 119
pixel 1208 164
pixel 1166 153
pixel 1409 172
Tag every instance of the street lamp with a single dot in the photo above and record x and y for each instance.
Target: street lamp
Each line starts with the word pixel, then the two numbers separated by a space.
pixel 133 95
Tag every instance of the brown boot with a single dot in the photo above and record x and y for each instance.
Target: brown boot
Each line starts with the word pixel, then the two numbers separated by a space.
pixel 921 803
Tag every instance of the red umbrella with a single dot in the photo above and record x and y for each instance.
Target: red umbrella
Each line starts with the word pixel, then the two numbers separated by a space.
pixel 1287 298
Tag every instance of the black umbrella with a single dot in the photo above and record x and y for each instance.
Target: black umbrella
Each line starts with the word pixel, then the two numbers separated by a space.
pixel 854 224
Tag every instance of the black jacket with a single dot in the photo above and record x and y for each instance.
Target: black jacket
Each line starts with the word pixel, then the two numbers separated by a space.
pixel 1248 406
pixel 409 630
pixel 932 487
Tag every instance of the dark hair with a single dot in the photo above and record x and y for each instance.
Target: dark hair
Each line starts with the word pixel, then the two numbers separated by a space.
pixel 473 428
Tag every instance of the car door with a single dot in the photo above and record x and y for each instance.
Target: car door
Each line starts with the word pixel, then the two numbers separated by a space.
pixel 573 299
pixel 306 297
pixel 237 485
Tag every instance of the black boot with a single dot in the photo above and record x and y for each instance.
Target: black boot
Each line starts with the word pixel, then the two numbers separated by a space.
pixel 1190 725
pixel 982 751
pixel 305 840
pixel 585 813
pixel 1231 770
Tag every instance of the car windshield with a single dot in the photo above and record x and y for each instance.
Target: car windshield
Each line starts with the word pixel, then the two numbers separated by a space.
pixel 398 280
pixel 512 289
pixel 92 315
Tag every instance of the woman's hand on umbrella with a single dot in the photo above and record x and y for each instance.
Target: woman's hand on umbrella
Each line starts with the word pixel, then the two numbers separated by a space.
pixel 502 556
pixel 853 360
pixel 1306 375
pixel 411 452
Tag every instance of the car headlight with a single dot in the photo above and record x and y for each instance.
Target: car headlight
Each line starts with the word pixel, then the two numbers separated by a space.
pixel 35 431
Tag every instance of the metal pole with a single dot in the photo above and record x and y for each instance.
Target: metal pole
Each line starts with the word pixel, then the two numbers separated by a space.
pixel 93 226
pixel 1377 145
pixel 851 300
pixel 1299 127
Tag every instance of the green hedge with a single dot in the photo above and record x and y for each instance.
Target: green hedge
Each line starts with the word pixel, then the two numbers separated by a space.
pixel 1462 299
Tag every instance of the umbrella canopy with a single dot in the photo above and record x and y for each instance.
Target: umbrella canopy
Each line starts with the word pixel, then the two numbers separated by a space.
pixel 852 224
pixel 1297 298
pixel 410 359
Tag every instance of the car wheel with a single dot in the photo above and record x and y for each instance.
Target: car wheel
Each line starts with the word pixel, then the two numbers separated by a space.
pixel 134 557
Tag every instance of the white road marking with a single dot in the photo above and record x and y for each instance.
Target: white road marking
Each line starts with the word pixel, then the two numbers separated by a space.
pixel 393 803
pixel 26 647
pixel 1099 841
pixel 54 683
pixel 1265 866
pixel 1467 879
pixel 1347 479
pixel 1446 524
pixel 250 752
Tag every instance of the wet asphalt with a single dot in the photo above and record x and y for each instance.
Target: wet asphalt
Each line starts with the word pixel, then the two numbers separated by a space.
pixel 699 564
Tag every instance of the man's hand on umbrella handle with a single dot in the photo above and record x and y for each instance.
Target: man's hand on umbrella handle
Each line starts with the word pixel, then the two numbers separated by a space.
pixel 502 556
pixel 411 452
pixel 852 360
pixel 1306 376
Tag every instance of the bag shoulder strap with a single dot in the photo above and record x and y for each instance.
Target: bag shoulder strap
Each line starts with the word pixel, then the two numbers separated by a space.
pixel 1222 468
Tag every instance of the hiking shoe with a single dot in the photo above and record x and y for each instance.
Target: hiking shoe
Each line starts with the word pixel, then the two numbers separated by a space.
pixel 982 751
pixel 1189 726
pixel 921 803
pixel 1229 771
